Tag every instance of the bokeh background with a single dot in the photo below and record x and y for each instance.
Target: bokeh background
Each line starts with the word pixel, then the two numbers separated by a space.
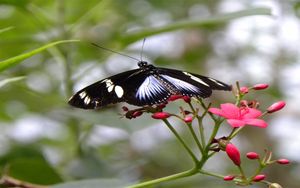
pixel 44 141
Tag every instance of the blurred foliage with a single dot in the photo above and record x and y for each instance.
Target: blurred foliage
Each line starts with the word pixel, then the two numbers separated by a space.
pixel 44 141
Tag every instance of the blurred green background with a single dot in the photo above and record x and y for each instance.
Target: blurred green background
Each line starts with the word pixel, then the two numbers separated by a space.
pixel 44 141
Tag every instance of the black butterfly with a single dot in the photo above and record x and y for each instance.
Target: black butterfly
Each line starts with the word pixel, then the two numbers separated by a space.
pixel 146 85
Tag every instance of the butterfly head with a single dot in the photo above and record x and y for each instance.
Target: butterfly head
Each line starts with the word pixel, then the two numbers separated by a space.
pixel 142 63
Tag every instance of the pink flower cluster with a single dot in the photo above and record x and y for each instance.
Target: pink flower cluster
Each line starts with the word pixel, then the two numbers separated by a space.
pixel 239 116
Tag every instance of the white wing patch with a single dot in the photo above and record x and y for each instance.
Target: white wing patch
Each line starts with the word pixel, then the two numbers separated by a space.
pixel 119 91
pixel 216 82
pixel 181 85
pixel 111 86
pixel 82 94
pixel 86 99
pixel 196 79
pixel 150 88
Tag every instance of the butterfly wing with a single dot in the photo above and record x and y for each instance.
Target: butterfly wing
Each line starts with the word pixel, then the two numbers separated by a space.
pixel 192 84
pixel 138 87
pixel 151 91
pixel 103 92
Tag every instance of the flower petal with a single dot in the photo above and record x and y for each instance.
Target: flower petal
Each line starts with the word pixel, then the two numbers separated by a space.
pixel 236 122
pixel 216 111
pixel 256 122
pixel 230 111
pixel 252 113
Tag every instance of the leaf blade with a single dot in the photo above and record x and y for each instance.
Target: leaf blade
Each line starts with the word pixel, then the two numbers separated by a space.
pixel 10 62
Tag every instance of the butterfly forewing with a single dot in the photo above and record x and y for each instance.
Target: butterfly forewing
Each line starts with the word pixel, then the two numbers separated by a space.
pixel 107 91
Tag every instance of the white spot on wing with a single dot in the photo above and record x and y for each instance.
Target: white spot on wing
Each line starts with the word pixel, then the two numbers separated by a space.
pixel 196 79
pixel 181 85
pixel 109 85
pixel 110 88
pixel 87 100
pixel 119 91
pixel 82 94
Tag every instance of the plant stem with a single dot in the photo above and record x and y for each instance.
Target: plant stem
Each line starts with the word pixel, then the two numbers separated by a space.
pixel 214 132
pixel 167 178
pixel 200 125
pixel 235 132
pixel 189 125
pixel 180 140
pixel 211 174
pixel 242 173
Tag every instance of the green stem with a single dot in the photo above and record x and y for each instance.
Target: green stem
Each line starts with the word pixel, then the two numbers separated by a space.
pixel 211 174
pixel 189 125
pixel 200 125
pixel 235 132
pixel 214 132
pixel 167 178
pixel 258 170
pixel 181 140
pixel 242 173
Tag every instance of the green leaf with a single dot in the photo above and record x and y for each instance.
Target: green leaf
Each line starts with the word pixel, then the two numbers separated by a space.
pixel 93 183
pixel 9 80
pixel 8 63
pixel 6 29
pixel 17 3
pixel 36 171
pixel 135 36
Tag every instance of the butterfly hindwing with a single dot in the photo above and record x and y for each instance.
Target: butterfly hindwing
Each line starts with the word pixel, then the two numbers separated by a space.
pixel 145 88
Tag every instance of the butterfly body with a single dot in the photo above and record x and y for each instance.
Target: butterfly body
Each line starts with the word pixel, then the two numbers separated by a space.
pixel 146 85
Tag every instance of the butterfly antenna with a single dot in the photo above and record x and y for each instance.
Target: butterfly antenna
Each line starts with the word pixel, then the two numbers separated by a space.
pixel 143 49
pixel 114 51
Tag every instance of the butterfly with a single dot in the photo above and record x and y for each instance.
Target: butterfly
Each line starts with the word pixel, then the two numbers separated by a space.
pixel 146 85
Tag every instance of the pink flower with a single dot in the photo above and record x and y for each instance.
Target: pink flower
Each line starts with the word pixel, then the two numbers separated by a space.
pixel 244 90
pixel 188 119
pixel 276 106
pixel 238 117
pixel 233 153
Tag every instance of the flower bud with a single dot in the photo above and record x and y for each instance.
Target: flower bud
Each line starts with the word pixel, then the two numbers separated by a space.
pixel 125 109
pixel 274 185
pixel 228 178
pixel 186 99
pixel 244 90
pixel 233 153
pixel 283 161
pixel 276 106
pixel 160 115
pixel 186 112
pixel 252 155
pixel 174 97
pixel 136 114
pixel 259 177
pixel 161 106
pixel 188 119
pixel 260 86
